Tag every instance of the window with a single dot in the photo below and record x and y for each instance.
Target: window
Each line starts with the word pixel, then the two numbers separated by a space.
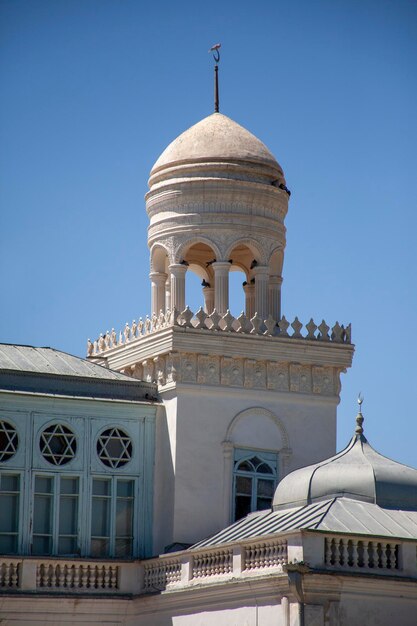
pixel 58 444
pixel 9 513
pixel 114 448
pixel 55 515
pixel 9 441
pixel 255 478
pixel 112 517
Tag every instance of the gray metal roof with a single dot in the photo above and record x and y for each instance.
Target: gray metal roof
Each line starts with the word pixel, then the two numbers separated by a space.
pixel 51 361
pixel 358 472
pixel 50 371
pixel 337 515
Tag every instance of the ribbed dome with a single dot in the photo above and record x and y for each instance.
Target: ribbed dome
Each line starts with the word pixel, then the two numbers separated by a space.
pixel 359 473
pixel 215 138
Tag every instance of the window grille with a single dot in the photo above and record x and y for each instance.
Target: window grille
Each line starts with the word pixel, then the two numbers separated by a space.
pixel 9 441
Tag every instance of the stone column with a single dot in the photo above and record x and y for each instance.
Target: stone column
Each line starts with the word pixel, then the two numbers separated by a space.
pixel 261 273
pixel 177 271
pixel 208 293
pixel 168 294
pixel 158 280
pixel 249 299
pixel 275 283
pixel 221 286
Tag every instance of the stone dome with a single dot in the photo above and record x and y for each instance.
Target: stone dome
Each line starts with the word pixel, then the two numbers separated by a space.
pixel 216 137
pixel 358 472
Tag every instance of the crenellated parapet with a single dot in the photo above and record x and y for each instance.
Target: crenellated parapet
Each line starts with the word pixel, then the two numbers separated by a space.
pixel 229 351
pixel 220 324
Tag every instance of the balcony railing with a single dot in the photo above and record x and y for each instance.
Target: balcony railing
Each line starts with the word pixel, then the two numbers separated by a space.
pixel 217 323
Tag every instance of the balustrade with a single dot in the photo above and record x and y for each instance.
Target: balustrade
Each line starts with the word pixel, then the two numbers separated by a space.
pixel 345 553
pixel 261 555
pixel 269 327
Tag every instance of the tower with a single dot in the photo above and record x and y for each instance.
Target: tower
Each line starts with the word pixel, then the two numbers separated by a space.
pixel 245 399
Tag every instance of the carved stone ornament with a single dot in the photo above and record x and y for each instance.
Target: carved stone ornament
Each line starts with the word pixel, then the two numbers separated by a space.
pixel 208 370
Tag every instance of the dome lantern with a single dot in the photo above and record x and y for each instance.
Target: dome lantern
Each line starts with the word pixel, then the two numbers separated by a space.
pixel 217 202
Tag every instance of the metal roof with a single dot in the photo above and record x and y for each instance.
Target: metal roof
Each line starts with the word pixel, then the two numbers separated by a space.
pixel 338 515
pixel 50 371
pixel 51 361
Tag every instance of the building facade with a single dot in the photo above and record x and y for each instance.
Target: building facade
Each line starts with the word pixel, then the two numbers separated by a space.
pixel 200 437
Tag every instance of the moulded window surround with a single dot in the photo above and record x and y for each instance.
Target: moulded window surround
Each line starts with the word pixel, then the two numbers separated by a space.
pixel 255 477
pixel 112 517
pixel 9 512
pixel 55 523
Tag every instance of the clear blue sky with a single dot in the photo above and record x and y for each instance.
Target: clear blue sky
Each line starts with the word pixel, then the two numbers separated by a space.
pixel 92 92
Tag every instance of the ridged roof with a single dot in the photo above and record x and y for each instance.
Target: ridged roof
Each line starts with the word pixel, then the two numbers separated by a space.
pixel 358 472
pixel 50 361
pixel 337 515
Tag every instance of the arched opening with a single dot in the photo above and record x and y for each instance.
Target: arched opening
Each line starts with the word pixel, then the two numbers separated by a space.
pixel 160 285
pixel 236 292
pixel 199 289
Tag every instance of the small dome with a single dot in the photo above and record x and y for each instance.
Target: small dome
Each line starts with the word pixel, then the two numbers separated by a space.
pixel 358 472
pixel 215 138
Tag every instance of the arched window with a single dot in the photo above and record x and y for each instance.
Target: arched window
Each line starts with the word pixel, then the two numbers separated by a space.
pixel 254 481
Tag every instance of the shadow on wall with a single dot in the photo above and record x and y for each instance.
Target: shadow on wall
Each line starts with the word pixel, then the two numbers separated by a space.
pixel 164 483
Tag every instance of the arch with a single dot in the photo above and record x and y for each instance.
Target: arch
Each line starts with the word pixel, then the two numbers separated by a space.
pixel 188 243
pixel 259 412
pixel 252 245
pixel 159 258
pixel 276 261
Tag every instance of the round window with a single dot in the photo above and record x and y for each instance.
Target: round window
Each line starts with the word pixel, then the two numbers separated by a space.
pixel 58 444
pixel 9 441
pixel 114 448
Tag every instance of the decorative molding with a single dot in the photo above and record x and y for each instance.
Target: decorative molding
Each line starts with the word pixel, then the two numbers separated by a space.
pixel 259 412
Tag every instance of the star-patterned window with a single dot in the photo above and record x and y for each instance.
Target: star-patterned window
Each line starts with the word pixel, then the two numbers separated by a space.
pixel 58 444
pixel 114 448
pixel 9 441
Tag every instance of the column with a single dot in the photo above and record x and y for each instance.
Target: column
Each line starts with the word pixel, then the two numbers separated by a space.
pixel 221 286
pixel 168 294
pixel 177 271
pixel 261 274
pixel 249 290
pixel 158 280
pixel 275 283
pixel 208 293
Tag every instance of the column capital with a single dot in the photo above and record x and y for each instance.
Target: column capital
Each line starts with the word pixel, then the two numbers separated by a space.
pixel 177 269
pixel 275 280
pixel 248 288
pixel 158 276
pixel 221 266
pixel 260 270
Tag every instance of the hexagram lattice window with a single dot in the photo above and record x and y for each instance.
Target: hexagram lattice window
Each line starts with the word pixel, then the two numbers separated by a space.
pixel 9 441
pixel 114 448
pixel 58 444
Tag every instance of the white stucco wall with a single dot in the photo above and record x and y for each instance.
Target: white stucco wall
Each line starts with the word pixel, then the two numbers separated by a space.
pixel 199 421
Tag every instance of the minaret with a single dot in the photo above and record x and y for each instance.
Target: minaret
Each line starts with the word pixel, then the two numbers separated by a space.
pixel 245 399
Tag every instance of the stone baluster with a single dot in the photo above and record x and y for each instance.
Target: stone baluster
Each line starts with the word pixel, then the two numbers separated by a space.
pixel 249 290
pixel 275 283
pixel 208 293
pixel 261 273
pixel 177 271
pixel 221 286
pixel 158 280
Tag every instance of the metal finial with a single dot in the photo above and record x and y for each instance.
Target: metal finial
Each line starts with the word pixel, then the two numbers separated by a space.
pixel 359 417
pixel 215 50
